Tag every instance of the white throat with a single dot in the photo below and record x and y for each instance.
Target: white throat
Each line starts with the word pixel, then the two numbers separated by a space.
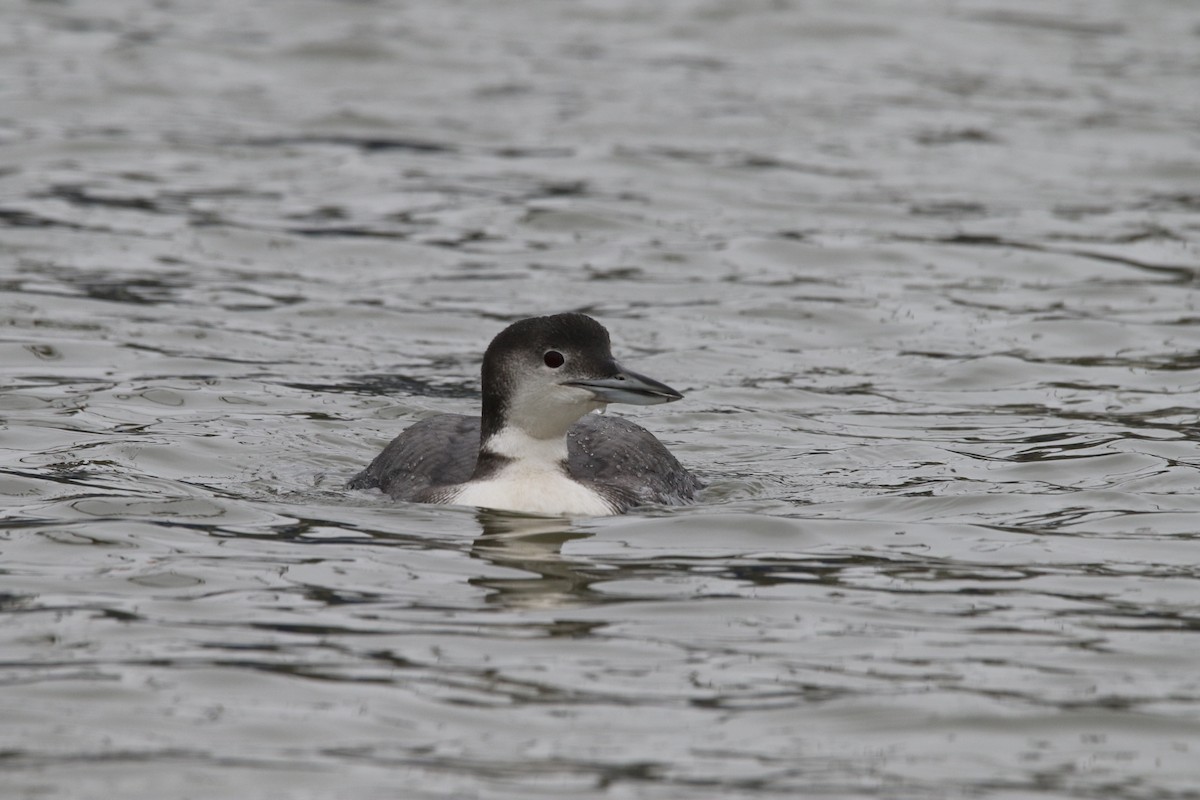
pixel 541 411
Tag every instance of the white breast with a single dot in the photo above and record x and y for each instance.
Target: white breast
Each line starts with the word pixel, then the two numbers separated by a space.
pixel 533 492
pixel 533 481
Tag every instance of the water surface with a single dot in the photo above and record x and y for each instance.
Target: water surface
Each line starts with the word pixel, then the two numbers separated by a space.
pixel 928 277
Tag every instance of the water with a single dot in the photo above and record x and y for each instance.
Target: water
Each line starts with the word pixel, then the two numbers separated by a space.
pixel 927 275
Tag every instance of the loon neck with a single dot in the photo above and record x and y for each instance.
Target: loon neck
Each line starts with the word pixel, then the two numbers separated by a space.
pixel 509 444
pixel 494 416
pixel 528 417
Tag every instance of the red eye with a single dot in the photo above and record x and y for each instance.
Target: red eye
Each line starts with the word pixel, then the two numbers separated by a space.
pixel 553 359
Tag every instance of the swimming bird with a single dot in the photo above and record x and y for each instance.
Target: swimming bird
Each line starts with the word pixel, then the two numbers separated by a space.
pixel 537 448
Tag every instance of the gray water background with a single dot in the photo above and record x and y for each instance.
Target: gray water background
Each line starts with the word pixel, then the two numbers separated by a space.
pixel 926 271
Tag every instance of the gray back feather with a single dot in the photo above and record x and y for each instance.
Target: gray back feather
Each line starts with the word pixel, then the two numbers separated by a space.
pixel 620 455
pixel 436 451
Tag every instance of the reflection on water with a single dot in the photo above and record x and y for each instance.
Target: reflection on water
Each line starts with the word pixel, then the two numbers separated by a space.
pixel 533 546
pixel 928 281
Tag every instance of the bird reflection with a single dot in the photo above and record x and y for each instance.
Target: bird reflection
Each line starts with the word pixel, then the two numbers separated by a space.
pixel 534 545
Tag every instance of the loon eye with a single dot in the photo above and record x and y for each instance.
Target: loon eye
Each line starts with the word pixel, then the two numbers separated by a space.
pixel 553 359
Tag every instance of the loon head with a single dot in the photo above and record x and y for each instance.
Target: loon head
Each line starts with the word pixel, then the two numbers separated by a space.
pixel 542 374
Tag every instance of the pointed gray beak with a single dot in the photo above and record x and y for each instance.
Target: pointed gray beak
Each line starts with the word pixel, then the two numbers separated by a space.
pixel 629 387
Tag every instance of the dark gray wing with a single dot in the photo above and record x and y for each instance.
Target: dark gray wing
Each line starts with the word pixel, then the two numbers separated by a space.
pixel 436 451
pixel 622 456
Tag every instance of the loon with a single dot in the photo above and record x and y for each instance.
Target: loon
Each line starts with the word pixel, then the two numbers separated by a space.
pixel 537 449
